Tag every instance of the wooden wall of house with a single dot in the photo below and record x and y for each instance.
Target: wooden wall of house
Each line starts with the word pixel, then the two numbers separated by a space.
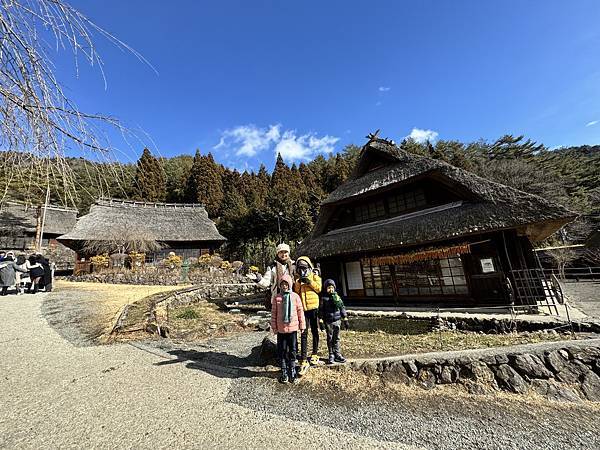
pixel 486 269
pixel 435 194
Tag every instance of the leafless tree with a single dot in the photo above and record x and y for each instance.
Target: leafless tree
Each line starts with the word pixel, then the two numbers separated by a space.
pixel 562 257
pixel 38 121
pixel 123 240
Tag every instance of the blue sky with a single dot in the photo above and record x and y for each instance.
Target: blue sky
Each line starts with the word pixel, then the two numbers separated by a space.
pixel 243 79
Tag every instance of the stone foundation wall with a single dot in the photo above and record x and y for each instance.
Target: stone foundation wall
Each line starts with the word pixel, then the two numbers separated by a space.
pixel 562 371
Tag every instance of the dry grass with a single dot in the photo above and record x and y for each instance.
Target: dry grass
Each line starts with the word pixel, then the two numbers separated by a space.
pixel 359 344
pixel 109 299
pixel 352 384
pixel 203 320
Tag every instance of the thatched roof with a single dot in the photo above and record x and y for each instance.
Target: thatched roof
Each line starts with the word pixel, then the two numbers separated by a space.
pixel 161 222
pixel 488 206
pixel 18 219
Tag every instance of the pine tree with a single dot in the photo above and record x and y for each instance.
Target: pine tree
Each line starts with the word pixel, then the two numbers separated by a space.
pixel 149 183
pixel 205 184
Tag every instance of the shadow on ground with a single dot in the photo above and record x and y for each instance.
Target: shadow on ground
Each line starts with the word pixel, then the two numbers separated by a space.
pixel 219 363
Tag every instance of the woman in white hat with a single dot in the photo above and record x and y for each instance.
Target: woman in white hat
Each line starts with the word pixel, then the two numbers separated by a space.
pixel 282 265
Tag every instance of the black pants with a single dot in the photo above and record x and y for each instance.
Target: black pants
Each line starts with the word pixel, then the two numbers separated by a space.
pixel 333 338
pixel 312 322
pixel 287 347
pixel 4 290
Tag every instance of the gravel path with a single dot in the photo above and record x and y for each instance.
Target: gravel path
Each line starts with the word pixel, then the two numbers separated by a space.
pixel 55 394
pixel 167 394
pixel 584 295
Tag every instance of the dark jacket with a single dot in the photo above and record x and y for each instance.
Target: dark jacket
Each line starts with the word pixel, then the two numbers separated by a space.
pixel 328 311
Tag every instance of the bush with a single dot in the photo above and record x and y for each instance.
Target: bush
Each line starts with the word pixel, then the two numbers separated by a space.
pixel 172 262
pixel 100 261
pixel 187 314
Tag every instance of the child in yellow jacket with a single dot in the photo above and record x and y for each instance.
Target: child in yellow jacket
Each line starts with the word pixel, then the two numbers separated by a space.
pixel 308 287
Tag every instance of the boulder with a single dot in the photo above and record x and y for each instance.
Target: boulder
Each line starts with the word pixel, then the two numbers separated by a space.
pixel 395 373
pixel 426 378
pixel 530 366
pixel 554 391
pixel 449 374
pixel 591 386
pixel 411 368
pixel 480 373
pixel 268 349
pixel 510 380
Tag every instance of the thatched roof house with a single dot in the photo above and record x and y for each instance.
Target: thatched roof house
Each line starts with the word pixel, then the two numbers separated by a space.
pixel 399 208
pixel 19 222
pixel 183 228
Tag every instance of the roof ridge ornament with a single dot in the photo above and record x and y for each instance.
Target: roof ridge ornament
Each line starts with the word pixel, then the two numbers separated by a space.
pixel 375 137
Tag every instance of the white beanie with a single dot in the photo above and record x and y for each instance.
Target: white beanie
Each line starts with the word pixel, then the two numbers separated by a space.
pixel 282 248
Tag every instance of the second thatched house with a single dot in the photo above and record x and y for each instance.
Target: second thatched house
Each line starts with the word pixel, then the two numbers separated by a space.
pixel 156 229
pixel 411 230
pixel 23 227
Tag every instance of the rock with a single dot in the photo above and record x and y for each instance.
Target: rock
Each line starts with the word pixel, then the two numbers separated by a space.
pixel 510 380
pixel 398 372
pixel 264 326
pixel 556 361
pixel 554 391
pixel 531 366
pixel 480 373
pixel 501 359
pixel 263 313
pixel 235 311
pixel 268 349
pixel 449 374
pixel 426 378
pixel 591 386
pixel 411 368
pixel 213 326
pixel 476 388
pixel 368 368
pixel 568 376
pixel 588 355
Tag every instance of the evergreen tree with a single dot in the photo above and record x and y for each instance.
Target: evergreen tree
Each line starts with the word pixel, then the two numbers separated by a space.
pixel 205 184
pixel 149 178
pixel 177 171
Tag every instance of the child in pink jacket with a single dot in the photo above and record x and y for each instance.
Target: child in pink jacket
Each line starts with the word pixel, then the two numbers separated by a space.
pixel 287 317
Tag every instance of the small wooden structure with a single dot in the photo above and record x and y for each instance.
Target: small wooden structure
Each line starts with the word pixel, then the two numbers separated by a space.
pixel 410 230
pixel 154 228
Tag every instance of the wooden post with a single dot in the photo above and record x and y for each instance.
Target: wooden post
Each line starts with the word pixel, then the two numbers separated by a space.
pixel 41 221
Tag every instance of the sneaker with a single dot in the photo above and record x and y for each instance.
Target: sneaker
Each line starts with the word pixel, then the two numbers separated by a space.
pixel 339 359
pixel 314 359
pixel 303 368
pixel 283 378
pixel 331 359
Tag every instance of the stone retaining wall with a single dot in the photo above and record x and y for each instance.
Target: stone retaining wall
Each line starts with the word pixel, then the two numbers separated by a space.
pixel 562 371
pixel 161 277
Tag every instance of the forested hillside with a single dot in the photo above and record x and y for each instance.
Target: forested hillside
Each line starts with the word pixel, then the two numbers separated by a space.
pixel 252 208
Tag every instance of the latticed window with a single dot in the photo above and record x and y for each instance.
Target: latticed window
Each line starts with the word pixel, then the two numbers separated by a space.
pixel 377 281
pixel 406 201
pixel 431 278
pixel 369 211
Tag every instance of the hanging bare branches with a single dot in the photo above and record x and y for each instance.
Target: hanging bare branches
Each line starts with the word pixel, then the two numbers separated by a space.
pixel 38 122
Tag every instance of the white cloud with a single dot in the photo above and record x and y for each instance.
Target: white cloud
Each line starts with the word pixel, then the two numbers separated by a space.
pixel 420 135
pixel 592 123
pixel 384 88
pixel 304 147
pixel 249 140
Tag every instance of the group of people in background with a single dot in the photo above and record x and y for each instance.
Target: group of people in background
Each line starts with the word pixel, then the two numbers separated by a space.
pixel 25 273
pixel 301 301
